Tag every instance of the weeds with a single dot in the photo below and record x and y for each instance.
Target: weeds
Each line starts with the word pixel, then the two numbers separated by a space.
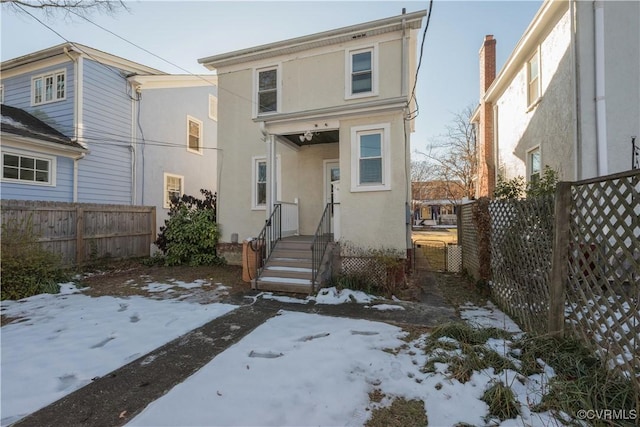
pixel 401 413
pixel 27 269
pixel 501 401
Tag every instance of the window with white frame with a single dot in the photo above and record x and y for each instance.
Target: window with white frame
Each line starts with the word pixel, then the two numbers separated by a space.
pixel 370 162
pixel 213 107
pixel 47 88
pixel 260 183
pixel 1 94
pixel 28 169
pixel 267 90
pixel 533 79
pixel 361 73
pixel 534 167
pixel 173 188
pixel 194 135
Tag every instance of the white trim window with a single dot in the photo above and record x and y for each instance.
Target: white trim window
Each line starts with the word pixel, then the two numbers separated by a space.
pixel 533 79
pixel 259 183
pixel 1 94
pixel 534 165
pixel 267 91
pixel 51 87
pixel 370 158
pixel 260 180
pixel 213 107
pixel 361 72
pixel 173 188
pixel 28 169
pixel 194 135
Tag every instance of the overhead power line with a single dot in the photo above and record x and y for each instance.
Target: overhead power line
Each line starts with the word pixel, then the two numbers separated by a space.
pixel 414 113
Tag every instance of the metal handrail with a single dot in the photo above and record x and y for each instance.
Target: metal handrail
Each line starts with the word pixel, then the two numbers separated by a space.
pixel 321 240
pixel 263 245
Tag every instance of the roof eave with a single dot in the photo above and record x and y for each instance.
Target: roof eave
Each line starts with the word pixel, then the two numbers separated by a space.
pixel 412 21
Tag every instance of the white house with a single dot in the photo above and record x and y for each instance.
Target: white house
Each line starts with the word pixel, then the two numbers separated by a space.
pixel 568 96
pixel 308 122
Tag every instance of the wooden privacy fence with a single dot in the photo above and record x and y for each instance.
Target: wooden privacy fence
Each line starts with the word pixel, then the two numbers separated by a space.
pixel 80 232
pixel 570 264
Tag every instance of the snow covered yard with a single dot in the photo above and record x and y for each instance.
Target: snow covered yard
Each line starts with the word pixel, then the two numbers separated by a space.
pixel 60 342
pixel 307 369
pixel 295 369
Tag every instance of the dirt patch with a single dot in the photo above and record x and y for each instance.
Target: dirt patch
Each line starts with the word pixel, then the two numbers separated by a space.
pixel 458 290
pixel 122 279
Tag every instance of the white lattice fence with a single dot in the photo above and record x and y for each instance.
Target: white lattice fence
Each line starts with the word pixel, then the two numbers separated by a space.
pixel 603 292
pixel 521 247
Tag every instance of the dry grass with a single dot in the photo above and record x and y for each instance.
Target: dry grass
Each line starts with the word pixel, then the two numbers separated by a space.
pixel 401 413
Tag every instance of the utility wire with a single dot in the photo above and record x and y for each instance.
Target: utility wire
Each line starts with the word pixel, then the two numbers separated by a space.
pixel 414 113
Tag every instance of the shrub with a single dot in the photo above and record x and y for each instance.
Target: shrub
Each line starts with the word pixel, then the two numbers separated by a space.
pixel 190 235
pixel 27 269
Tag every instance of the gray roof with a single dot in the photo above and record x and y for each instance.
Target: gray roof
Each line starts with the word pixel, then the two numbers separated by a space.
pixel 16 121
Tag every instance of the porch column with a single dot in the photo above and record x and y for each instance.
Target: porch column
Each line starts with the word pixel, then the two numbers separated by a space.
pixel 271 173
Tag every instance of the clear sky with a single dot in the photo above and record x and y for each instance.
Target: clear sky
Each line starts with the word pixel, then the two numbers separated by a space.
pixel 182 32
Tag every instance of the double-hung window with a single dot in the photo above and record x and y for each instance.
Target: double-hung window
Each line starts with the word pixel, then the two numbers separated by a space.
pixel 47 88
pixel 370 165
pixel 260 183
pixel 173 188
pixel 533 79
pixel 361 73
pixel 267 90
pixel 533 165
pixel 27 169
pixel 194 135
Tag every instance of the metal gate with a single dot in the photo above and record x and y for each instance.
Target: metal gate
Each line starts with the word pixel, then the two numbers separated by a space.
pixel 430 255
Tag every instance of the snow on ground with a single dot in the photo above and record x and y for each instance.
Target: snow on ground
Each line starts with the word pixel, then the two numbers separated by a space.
pixel 65 340
pixel 330 296
pixel 295 369
pixel 308 369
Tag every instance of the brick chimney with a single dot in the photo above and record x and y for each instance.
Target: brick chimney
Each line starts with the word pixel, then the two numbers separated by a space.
pixel 486 156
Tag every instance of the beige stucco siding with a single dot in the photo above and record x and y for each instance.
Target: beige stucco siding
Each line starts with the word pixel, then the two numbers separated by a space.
pixel 374 219
pixel 239 140
pixel 549 124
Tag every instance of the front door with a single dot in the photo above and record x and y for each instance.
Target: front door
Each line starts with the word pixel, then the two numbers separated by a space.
pixel 331 174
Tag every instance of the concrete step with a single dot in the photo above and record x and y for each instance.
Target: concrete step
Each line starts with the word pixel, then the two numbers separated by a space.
pixel 279 284
pixel 303 274
pixel 290 253
pixel 290 262
pixel 294 245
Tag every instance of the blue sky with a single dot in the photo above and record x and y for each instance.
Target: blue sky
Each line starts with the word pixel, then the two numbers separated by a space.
pixel 181 32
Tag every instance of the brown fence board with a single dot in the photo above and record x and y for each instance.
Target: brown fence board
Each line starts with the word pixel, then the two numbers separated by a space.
pixel 79 232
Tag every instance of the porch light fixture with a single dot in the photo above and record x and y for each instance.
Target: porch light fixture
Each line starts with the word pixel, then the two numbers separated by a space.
pixel 306 136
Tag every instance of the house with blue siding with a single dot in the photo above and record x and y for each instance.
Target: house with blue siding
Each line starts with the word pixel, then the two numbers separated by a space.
pixel 145 135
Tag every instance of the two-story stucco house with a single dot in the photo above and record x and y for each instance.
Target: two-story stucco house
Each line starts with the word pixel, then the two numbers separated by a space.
pixel 568 97
pixel 314 137
pixel 145 135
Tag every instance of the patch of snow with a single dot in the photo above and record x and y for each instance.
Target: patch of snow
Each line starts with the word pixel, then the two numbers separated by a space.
pixel 386 307
pixel 333 296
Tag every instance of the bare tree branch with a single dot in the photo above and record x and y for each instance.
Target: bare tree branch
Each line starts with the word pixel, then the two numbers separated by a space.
pixel 66 7
pixel 453 156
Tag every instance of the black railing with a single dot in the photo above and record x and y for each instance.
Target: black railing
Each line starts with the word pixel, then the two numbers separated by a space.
pixel 321 240
pixel 263 245
pixel 635 154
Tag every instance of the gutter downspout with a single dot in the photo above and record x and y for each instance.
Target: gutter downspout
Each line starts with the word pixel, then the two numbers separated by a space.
pixel 405 48
pixel 133 146
pixel 577 131
pixel 601 106
pixel 75 176
pixel 77 115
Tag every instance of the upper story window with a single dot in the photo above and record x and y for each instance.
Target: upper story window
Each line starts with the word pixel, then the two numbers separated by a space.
pixel 533 79
pixel 361 73
pixel 1 94
pixel 267 93
pixel 27 169
pixel 370 164
pixel 50 87
pixel 533 165
pixel 173 188
pixel 194 135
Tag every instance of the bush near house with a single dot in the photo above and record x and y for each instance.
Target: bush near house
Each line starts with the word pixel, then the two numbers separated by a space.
pixel 190 235
pixel 27 269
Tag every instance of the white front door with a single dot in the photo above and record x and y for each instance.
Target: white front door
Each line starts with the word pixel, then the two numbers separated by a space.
pixel 331 174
